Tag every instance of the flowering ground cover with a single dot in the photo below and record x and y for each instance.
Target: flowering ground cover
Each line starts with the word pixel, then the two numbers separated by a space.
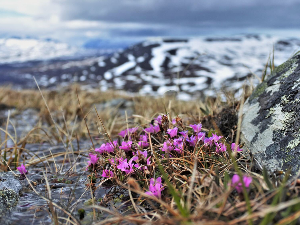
pixel 142 150
pixel 182 174
pixel 184 166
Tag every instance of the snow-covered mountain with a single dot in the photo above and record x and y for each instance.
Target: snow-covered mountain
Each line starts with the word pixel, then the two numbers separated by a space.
pixel 193 66
pixel 29 49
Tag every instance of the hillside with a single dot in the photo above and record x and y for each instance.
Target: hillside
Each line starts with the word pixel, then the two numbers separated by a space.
pixel 196 66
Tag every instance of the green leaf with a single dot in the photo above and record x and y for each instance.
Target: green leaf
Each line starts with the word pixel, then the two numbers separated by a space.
pixel 183 210
pixel 205 111
pixel 226 180
pixel 266 178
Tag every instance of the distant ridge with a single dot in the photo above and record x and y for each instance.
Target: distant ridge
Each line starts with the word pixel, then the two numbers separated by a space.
pixel 202 64
pixel 192 66
pixel 16 49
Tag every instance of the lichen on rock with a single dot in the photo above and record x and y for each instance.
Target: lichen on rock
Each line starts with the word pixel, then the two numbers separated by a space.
pixel 271 119
pixel 8 199
pixel 9 192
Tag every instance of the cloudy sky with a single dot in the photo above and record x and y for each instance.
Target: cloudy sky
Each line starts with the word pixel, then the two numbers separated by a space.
pixel 76 21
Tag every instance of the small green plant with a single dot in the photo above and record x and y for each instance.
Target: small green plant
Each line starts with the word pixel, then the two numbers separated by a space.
pixel 81 213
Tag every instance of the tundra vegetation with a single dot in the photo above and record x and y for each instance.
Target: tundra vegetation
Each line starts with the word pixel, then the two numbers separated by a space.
pixel 167 162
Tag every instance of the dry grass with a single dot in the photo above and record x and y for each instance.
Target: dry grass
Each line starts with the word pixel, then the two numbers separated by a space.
pixel 199 177
pixel 64 107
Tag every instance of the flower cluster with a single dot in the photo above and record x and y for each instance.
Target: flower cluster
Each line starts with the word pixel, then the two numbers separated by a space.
pixel 179 141
pixel 107 147
pixel 132 155
pixel 133 147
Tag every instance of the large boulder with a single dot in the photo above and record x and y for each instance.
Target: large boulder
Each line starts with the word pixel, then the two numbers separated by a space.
pixel 271 119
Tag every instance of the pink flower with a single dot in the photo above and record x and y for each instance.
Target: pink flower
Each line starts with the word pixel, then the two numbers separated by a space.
pixel 158 119
pixel 22 169
pixel 107 174
pixel 148 160
pixel 93 159
pixel 216 138
pixel 102 149
pixel 108 147
pixel 236 148
pixel 208 141
pixel 172 132
pixel 123 133
pixel 220 148
pixel 156 129
pixel 123 165
pixel 167 146
pixel 192 140
pixel 179 148
pixel 150 129
pixel 196 127
pixel 143 143
pixel 127 167
pixel 173 121
pixel 236 182
pixel 126 146
pixel 184 134
pixel 201 136
pixel 155 188
pixel 178 141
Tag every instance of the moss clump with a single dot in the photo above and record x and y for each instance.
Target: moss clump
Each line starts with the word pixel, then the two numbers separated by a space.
pixel 259 90
pixel 81 213
pixel 284 66
pixel 284 69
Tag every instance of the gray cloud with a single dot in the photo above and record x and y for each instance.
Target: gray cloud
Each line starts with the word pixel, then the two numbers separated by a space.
pixel 189 13
pixel 77 20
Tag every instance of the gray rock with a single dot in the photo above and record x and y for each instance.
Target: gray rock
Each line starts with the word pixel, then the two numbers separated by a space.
pixel 9 192
pixel 8 199
pixel 8 181
pixel 271 119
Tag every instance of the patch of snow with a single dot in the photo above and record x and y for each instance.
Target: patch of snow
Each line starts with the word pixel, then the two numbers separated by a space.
pixel 146 89
pixel 131 57
pixel 52 80
pixel 108 75
pixel 82 78
pixel 119 82
pixel 124 67
pixel 140 59
pixel 114 60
